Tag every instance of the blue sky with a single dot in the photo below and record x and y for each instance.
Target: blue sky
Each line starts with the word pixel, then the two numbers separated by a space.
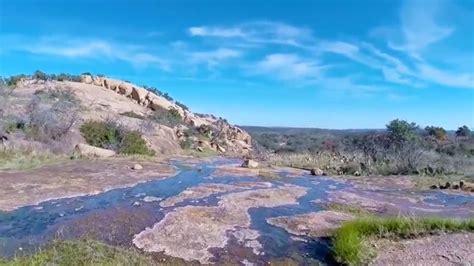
pixel 328 64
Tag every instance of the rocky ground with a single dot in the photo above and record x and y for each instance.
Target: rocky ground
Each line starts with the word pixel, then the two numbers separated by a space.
pixel 75 178
pixel 213 220
pixel 190 232
pixel 453 249
pixel 314 224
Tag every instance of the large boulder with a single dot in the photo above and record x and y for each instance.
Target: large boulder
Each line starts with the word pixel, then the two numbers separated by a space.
pixel 139 95
pixel 99 81
pixel 87 79
pixel 112 84
pixel 91 151
pixel 317 172
pixel 157 102
pixel 125 89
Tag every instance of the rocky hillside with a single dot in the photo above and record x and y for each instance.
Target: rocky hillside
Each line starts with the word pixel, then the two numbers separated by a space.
pixel 166 126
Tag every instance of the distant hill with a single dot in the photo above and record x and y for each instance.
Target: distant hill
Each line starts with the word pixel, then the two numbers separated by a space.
pixel 308 131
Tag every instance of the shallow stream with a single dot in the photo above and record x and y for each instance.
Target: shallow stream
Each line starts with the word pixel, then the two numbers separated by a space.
pixel 117 215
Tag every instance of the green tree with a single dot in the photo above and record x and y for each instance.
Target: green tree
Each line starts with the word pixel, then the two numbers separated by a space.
pixel 400 131
pixel 438 133
pixel 39 75
pixel 463 131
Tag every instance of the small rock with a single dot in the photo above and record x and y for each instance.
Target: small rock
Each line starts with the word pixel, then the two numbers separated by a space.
pixel 199 149
pixel 448 185
pixel 461 184
pixel 137 167
pixel 249 163
pixel 455 186
pixel 433 187
pixel 136 203
pixel 317 172
pixel 356 173
pixel 151 199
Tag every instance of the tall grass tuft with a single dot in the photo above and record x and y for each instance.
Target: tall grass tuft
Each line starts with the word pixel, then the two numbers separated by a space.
pixel 350 240
pixel 84 252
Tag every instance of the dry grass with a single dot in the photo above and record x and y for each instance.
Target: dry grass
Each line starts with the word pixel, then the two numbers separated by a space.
pixel 18 159
pixel 85 252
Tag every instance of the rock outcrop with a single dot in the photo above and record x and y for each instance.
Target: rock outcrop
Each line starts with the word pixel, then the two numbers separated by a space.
pixel 226 138
pixel 91 151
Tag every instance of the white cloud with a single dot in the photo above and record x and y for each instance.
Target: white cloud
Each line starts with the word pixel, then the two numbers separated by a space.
pixel 433 74
pixel 97 49
pixel 71 49
pixel 288 66
pixel 216 32
pixel 339 47
pixel 419 25
pixel 262 32
pixel 216 56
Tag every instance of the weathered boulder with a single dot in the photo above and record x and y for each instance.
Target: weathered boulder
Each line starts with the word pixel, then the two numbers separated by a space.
pixel 125 89
pixel 220 148
pixel 249 163
pixel 137 167
pixel 139 95
pixel 157 102
pixel 99 81
pixel 317 172
pixel 112 84
pixel 88 150
pixel 87 79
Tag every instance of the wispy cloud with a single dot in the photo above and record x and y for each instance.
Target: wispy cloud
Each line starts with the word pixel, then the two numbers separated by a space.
pixel 97 49
pixel 216 32
pixel 216 56
pixel 288 66
pixel 419 25
pixel 463 80
pixel 263 32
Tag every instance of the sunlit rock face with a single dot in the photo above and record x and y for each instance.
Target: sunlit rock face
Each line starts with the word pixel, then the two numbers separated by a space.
pixel 314 224
pixel 232 139
pixel 189 232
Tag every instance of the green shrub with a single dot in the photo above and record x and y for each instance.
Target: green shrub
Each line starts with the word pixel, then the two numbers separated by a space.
pixel 101 134
pixel 133 143
pixel 187 143
pixel 165 117
pixel 39 75
pixel 109 135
